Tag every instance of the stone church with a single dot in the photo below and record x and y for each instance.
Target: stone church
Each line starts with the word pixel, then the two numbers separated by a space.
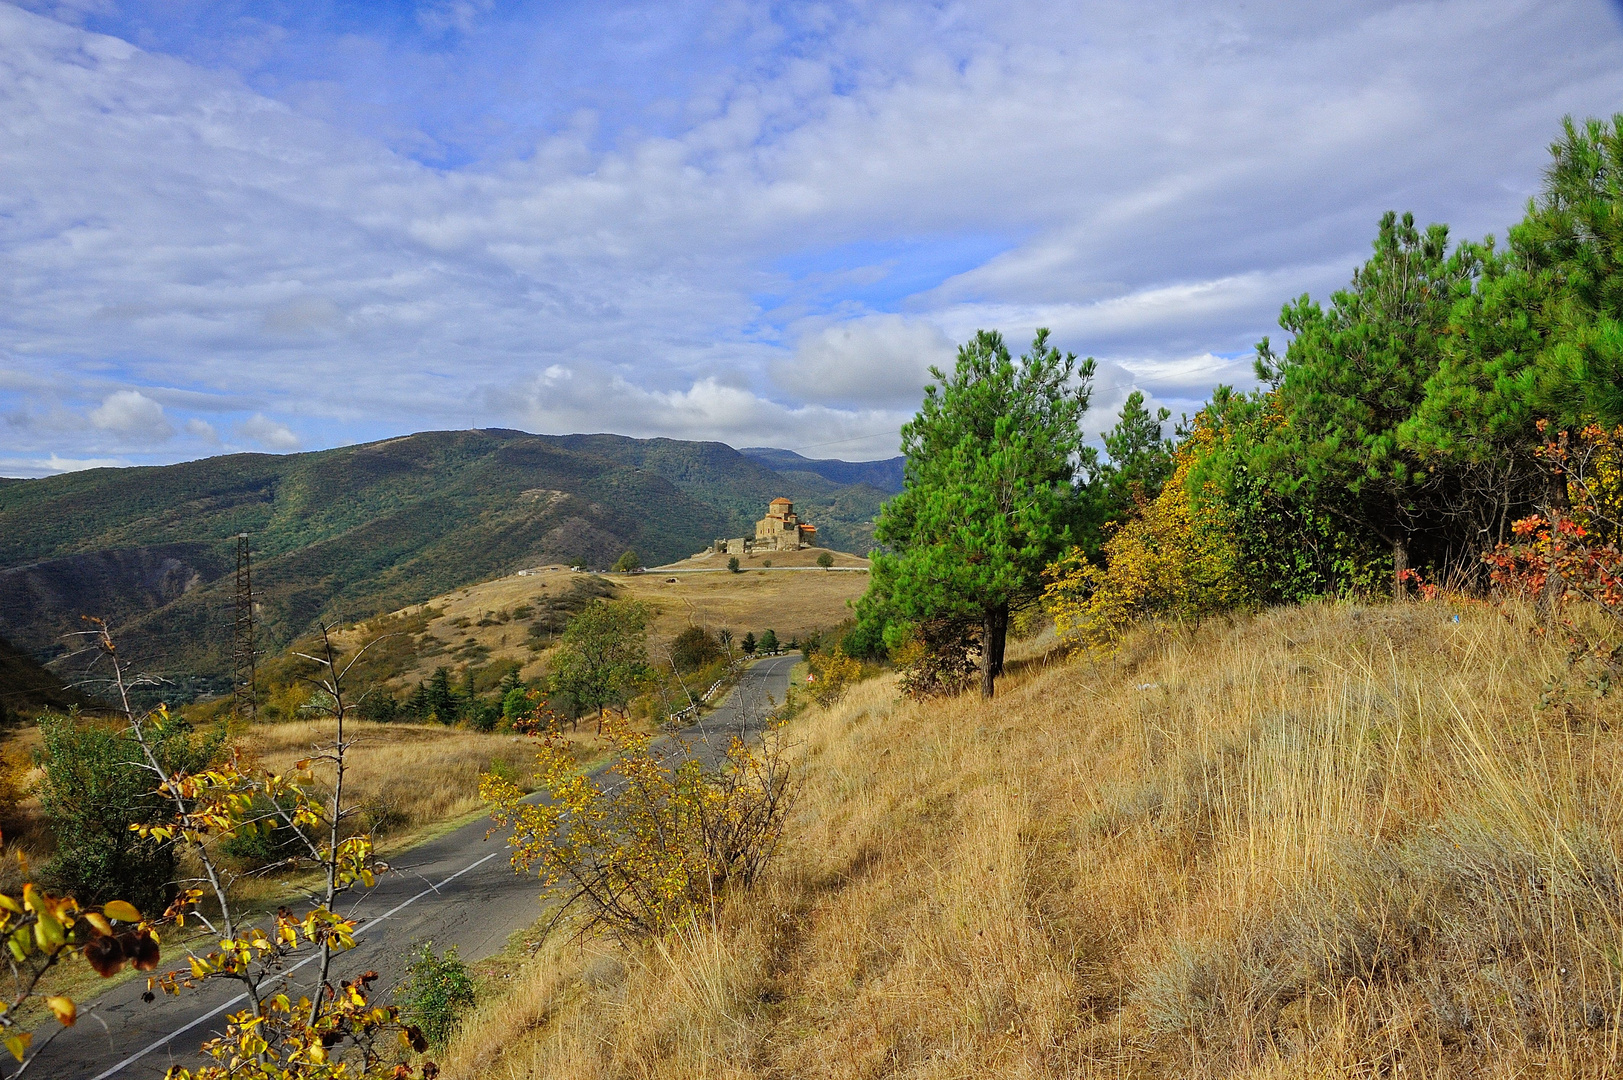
pixel 780 530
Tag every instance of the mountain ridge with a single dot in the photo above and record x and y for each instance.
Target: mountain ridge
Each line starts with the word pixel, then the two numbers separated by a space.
pixel 354 531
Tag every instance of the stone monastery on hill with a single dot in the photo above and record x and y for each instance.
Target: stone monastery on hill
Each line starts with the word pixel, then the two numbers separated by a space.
pixel 780 530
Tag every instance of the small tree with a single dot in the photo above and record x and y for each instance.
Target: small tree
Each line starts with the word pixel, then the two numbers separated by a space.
pixel 748 644
pixel 438 699
pixel 95 792
pixel 769 642
pixel 437 992
pixel 645 851
pixel 603 654
pixel 988 491
pixel 627 563
pixel 732 564
pixel 825 560
pixel 725 636
pixel 693 649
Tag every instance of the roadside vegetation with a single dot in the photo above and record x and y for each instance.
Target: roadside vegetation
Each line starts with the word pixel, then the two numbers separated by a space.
pixel 1313 842
pixel 1304 760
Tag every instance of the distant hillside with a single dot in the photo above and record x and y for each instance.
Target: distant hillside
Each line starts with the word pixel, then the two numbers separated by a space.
pixel 355 531
pixel 884 475
pixel 735 482
pixel 25 686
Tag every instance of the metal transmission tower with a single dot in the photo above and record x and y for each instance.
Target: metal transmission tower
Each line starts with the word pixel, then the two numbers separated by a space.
pixel 243 702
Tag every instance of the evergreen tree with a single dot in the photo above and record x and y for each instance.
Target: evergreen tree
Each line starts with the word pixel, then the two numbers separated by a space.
pixel 439 699
pixel 748 644
pixel 769 642
pixel 987 489
pixel 1138 461
pixel 1354 374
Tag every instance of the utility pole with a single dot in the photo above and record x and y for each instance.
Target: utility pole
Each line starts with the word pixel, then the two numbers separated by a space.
pixel 243 702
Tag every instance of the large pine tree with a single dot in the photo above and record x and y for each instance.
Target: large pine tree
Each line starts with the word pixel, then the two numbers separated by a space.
pixel 988 488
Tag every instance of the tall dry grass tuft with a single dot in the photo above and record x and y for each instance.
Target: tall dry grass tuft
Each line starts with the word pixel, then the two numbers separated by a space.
pixel 1323 841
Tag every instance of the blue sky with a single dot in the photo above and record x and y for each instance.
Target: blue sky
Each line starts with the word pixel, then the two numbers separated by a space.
pixel 281 226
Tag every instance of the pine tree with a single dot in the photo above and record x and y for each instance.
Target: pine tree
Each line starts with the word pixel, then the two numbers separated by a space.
pixel 987 491
pixel 1354 373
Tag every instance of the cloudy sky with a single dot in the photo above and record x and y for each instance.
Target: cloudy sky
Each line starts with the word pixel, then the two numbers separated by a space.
pixel 290 225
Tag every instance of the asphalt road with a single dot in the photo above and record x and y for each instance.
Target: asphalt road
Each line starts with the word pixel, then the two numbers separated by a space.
pixel 457 889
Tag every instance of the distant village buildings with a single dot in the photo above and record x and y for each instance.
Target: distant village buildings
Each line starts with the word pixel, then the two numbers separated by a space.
pixel 780 530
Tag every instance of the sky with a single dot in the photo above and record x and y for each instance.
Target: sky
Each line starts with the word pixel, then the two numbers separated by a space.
pixel 281 226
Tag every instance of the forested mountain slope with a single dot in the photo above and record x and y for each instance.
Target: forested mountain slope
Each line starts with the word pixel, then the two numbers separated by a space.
pixel 359 530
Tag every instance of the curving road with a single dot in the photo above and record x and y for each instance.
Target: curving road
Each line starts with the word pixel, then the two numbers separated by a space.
pixel 457 889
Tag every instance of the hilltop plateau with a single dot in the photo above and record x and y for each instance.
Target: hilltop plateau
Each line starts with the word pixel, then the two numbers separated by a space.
pixel 508 622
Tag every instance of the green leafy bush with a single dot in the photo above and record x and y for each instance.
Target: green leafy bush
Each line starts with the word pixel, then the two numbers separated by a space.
pixel 94 788
pixel 437 992
pixel 694 648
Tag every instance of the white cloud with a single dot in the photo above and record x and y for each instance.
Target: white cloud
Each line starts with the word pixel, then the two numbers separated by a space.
pixel 201 429
pixel 131 413
pixel 878 359
pixel 1151 180
pixel 268 434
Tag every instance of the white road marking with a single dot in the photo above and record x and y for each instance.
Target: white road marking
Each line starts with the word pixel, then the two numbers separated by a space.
pixel 363 928
pixel 772 663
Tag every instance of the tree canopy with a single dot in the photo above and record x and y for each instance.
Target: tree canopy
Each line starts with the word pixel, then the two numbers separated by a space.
pixel 603 654
pixel 987 491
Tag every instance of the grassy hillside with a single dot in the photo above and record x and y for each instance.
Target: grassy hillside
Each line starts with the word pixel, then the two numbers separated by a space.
pixel 1325 841
pixel 357 531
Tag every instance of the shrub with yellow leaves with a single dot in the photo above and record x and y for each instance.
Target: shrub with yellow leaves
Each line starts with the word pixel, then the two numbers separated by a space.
pixel 636 849
pixel 335 1032
pixel 1167 561
pixel 831 673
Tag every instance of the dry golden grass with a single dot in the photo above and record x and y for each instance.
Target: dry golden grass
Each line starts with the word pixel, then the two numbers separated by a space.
pixel 1327 841
pixel 408 777
pixel 790 603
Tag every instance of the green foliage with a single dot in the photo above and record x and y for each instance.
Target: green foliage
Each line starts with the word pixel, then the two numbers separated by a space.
pixel 273 842
pixel 732 564
pixel 693 648
pixel 379 707
pixel 437 992
pixel 439 701
pixel 825 560
pixel 768 643
pixel 1138 462
pixel 515 703
pixel 991 460
pixel 94 788
pixel 1354 374
pixel 748 644
pixel 627 563
pixel 603 654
